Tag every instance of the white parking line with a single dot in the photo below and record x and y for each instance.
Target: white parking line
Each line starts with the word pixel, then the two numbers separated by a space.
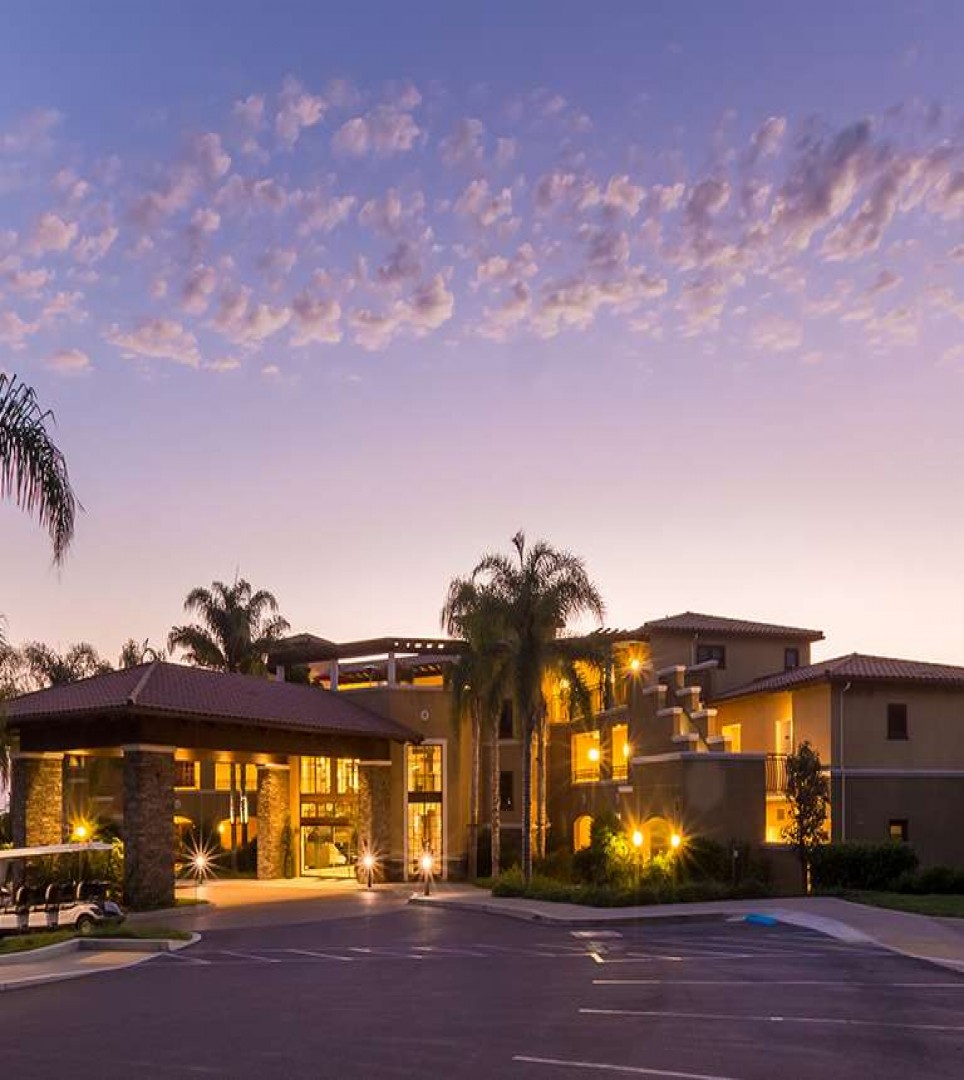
pixel 248 956
pixel 322 955
pixel 602 1066
pixel 834 1021
pixel 783 982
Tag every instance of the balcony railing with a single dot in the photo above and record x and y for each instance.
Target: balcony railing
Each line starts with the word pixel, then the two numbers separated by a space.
pixel 588 774
pixel 776 774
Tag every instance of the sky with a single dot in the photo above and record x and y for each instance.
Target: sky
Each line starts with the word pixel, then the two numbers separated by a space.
pixel 339 299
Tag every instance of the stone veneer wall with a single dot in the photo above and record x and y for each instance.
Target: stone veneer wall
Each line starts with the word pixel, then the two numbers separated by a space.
pixel 37 800
pixel 148 828
pixel 375 815
pixel 274 812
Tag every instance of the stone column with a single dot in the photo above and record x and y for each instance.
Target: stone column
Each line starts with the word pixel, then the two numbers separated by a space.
pixel 274 814
pixel 37 799
pixel 149 826
pixel 375 813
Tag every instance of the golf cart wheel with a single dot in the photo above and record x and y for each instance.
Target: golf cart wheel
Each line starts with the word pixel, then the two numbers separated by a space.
pixel 84 925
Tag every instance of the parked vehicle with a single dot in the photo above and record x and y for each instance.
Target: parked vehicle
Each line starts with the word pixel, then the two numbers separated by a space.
pixel 35 896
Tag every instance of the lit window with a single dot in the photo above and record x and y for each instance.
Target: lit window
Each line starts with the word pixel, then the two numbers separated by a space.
pixel 585 757
pixel 734 736
pixel 347 776
pixel 424 768
pixel 621 751
pixel 898 830
pixel 187 774
pixel 316 776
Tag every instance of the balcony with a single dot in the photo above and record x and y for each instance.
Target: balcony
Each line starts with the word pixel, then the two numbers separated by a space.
pixel 588 774
pixel 776 774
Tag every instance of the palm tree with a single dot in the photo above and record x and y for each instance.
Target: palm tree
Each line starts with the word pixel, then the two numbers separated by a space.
pixel 134 653
pixel 47 667
pixel 238 627
pixel 479 682
pixel 538 593
pixel 32 469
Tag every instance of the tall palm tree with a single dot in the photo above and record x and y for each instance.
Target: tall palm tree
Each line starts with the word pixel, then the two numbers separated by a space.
pixel 236 631
pixel 32 469
pixel 47 667
pixel 538 593
pixel 479 683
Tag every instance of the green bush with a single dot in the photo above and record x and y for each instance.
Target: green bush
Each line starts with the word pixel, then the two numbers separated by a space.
pixel 860 865
pixel 653 888
pixel 946 880
pixel 609 859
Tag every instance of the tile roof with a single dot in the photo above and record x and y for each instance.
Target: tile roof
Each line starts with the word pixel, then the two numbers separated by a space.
pixel 694 622
pixel 179 690
pixel 855 667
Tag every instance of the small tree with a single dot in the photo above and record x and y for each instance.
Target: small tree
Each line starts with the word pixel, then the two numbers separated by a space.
pixel 808 793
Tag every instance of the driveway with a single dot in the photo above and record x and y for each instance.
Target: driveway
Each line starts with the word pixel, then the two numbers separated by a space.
pixel 421 991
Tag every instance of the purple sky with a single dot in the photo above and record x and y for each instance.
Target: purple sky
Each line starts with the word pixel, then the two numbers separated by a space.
pixel 343 300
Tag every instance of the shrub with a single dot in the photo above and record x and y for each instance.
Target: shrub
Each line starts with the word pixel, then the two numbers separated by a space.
pixel 859 865
pixel 609 859
pixel 935 879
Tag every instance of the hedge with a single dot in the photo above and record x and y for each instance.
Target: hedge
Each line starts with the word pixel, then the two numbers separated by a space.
pixel 859 865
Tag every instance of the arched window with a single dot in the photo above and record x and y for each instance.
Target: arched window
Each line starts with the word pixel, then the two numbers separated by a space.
pixel 580 832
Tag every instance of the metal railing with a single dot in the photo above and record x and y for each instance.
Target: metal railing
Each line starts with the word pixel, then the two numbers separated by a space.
pixel 586 775
pixel 776 774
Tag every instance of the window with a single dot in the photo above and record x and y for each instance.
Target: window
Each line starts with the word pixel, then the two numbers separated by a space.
pixel 712 652
pixel 897 828
pixel 315 776
pixel 425 804
pixel 733 733
pixel 581 829
pixel 896 721
pixel 506 727
pixel 621 751
pixel 791 659
pixel 506 785
pixel 246 775
pixel 424 768
pixel 347 769
pixel 585 757
pixel 186 774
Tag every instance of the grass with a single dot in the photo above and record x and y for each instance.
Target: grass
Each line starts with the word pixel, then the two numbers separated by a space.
pixel 942 904
pixel 18 943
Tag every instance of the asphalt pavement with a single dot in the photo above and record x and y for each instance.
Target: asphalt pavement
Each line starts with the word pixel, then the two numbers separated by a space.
pixel 431 992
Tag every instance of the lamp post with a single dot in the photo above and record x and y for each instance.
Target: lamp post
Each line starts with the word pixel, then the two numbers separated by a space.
pixel 426 865
pixel 368 864
pixel 638 846
pixel 675 843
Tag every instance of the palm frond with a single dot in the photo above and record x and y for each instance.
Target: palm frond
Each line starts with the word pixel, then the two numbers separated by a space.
pixel 33 471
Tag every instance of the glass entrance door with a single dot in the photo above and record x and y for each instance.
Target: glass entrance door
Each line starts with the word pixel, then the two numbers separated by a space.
pixel 327 850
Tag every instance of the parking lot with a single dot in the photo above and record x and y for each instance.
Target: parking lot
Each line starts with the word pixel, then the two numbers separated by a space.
pixel 420 992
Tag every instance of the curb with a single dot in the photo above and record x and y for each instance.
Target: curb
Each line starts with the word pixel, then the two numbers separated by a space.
pixel 147 948
pixel 819 924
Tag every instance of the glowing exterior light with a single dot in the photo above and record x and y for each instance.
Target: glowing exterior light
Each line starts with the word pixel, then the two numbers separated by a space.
pixel 635 664
pixel 675 840
pixel 626 749
pixel 563 684
pixel 637 839
pixel 368 865
pixel 593 753
pixel 81 832
pixel 426 863
pixel 200 863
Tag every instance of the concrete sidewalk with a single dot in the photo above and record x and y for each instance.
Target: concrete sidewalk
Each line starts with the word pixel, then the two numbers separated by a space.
pixel 79 956
pixel 939 941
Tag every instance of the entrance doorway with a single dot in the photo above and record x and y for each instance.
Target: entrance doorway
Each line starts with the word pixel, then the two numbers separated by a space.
pixel 328 850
